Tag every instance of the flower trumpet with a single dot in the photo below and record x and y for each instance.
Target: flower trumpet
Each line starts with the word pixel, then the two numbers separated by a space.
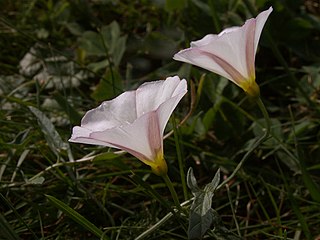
pixel 230 54
pixel 134 121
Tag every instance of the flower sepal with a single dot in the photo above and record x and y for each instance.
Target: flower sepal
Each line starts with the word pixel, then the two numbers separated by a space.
pixel 251 88
pixel 159 165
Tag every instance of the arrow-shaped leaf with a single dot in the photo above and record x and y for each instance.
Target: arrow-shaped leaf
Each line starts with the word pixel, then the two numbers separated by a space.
pixel 200 218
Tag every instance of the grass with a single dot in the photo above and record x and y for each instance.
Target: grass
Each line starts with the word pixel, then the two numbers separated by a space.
pixel 59 59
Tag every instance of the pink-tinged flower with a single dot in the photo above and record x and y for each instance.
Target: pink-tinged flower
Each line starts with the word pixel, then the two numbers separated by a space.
pixel 134 121
pixel 230 54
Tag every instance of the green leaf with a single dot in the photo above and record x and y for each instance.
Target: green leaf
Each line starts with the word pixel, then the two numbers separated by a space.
pixel 52 136
pixel 109 86
pixel 211 187
pixel 108 43
pixel 91 43
pixel 175 5
pixel 192 182
pixel 77 217
pixel 199 225
pixel 210 116
pixel 96 66
pixel 113 40
pixel 200 218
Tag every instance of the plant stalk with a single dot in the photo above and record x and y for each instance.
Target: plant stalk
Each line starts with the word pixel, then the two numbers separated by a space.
pixel 172 191
pixel 256 144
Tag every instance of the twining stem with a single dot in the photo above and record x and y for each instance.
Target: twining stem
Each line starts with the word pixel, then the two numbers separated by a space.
pixel 256 144
pixel 172 191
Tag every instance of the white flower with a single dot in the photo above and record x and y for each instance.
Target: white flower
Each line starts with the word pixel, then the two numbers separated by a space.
pixel 230 54
pixel 134 121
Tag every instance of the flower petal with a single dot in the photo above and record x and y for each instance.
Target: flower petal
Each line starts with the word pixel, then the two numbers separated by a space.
pixel 150 95
pixel 154 134
pixel 249 57
pixel 231 53
pixel 134 121
pixel 133 138
pixel 260 22
pixel 211 62
pixel 230 45
pixel 165 109
pixel 119 111
pixel 82 135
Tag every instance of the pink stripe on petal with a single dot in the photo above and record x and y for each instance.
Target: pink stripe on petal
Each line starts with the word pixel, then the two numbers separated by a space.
pixel 137 154
pixel 235 75
pixel 154 134
pixel 134 153
pixel 250 49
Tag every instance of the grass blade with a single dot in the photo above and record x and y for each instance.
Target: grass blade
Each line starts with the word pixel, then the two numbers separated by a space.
pixel 78 218
pixel 7 202
pixel 6 230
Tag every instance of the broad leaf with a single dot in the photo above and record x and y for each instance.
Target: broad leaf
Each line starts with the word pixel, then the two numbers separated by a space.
pixel 107 43
pixel 109 86
pixel 200 216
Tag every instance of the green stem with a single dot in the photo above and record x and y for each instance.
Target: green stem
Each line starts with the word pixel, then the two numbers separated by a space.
pixel 172 191
pixel 233 211
pixel 170 186
pixel 161 222
pixel 180 161
pixel 257 143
